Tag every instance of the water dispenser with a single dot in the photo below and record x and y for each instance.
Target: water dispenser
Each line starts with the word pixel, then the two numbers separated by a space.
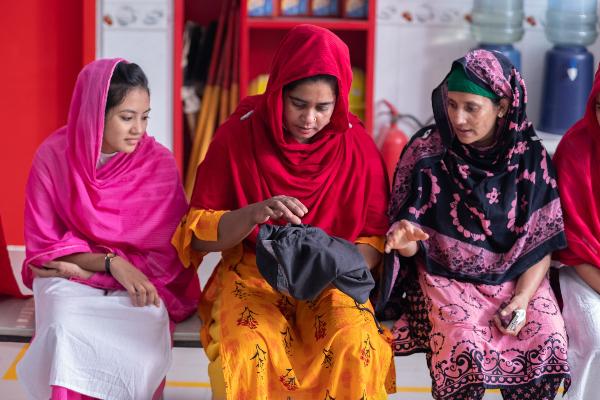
pixel 569 66
pixel 497 24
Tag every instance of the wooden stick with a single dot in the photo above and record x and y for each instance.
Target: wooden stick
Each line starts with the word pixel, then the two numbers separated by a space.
pixel 207 99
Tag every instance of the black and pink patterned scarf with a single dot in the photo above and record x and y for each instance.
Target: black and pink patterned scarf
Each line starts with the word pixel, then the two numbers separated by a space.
pixel 490 213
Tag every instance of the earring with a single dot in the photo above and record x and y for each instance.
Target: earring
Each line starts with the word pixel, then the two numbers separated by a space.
pixel 500 115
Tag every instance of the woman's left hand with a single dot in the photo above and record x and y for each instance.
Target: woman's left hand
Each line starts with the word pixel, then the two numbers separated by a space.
pixel 518 302
pixel 403 236
pixel 61 269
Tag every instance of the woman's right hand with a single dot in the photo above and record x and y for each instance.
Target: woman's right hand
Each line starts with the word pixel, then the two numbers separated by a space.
pixel 141 291
pixel 403 236
pixel 277 207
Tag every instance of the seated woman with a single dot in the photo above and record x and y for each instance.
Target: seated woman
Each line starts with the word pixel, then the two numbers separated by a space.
pixel 475 216
pixel 294 154
pixel 576 161
pixel 103 199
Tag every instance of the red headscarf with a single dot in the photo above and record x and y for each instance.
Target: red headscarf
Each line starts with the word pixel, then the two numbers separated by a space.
pixel 576 161
pixel 339 176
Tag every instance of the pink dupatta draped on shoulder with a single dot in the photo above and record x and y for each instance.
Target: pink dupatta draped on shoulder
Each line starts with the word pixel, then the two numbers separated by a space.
pixel 130 206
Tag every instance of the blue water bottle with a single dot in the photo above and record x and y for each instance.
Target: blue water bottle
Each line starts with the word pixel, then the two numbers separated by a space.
pixel 569 66
pixel 497 24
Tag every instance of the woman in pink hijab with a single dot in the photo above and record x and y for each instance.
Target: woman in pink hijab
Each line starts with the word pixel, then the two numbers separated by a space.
pixel 103 200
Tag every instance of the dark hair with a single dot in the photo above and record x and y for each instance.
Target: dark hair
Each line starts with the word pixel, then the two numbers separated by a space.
pixel 329 79
pixel 496 101
pixel 125 77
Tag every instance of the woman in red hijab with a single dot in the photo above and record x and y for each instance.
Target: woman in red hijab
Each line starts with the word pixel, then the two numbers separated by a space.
pixel 576 161
pixel 294 154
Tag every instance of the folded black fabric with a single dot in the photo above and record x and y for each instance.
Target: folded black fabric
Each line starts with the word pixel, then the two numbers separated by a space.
pixel 302 260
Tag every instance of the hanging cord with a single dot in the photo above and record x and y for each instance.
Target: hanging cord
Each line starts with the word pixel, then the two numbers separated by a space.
pixel 363 308
pixel 396 116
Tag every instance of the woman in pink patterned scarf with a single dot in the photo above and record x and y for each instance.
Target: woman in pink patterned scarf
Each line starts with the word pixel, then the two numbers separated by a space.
pixel 475 215
pixel 103 199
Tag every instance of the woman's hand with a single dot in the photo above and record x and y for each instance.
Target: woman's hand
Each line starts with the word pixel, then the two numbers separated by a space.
pixel 527 284
pixel 518 303
pixel 277 207
pixel 403 236
pixel 141 291
pixel 61 269
pixel 236 225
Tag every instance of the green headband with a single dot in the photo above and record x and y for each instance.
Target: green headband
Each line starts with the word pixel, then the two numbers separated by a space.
pixel 458 81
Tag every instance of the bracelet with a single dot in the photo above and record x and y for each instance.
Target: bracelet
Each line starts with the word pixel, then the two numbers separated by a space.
pixel 107 262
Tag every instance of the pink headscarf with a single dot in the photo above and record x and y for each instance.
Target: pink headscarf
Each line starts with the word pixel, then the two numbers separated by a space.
pixel 130 206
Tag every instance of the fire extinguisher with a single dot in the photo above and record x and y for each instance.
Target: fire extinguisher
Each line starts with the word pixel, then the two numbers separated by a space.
pixel 391 140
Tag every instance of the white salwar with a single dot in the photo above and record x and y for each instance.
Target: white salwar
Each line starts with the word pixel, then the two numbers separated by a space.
pixel 94 342
pixel 581 312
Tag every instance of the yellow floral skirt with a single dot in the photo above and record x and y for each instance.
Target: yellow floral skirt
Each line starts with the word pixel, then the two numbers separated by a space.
pixel 263 344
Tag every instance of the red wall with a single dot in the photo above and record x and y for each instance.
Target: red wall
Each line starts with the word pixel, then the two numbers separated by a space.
pixel 41 49
pixel 202 12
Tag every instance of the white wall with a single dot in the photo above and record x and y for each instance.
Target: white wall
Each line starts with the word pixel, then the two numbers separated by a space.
pixel 412 57
pixel 141 31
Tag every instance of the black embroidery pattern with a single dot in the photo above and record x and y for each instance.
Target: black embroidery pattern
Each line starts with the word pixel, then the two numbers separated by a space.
pixel 289 379
pixel 544 305
pixel 545 228
pixel 429 145
pixel 470 299
pixel 287 340
pixel 327 358
pixel 328 396
pixel 529 330
pixel 453 313
pixel 286 307
pixel 320 327
pixel 545 389
pixel 413 335
pixel 438 281
pixel 436 342
pixel 469 365
pixel 366 351
pixel 260 357
pixel 247 318
pixel 240 290
pixel 490 291
pixel 366 316
pixel 484 332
